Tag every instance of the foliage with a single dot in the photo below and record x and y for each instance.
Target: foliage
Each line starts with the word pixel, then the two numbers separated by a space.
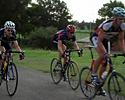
pixel 105 11
pixel 49 13
pixel 27 16
pixel 40 59
pixel 13 10
pixel 41 37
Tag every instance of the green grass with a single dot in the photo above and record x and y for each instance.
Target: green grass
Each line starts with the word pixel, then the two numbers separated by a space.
pixel 40 59
pixel 82 34
pixel 37 59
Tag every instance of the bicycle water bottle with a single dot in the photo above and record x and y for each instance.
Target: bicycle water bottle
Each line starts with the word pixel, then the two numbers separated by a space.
pixel 5 66
pixel 104 74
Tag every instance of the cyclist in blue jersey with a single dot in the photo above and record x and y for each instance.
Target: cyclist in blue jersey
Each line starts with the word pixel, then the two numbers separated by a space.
pixel 116 26
pixel 8 39
pixel 63 37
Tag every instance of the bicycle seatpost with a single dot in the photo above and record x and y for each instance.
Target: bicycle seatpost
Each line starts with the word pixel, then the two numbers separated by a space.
pixel 109 47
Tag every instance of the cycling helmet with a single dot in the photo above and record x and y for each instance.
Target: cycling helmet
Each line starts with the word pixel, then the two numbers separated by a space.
pixel 9 24
pixel 71 28
pixel 119 12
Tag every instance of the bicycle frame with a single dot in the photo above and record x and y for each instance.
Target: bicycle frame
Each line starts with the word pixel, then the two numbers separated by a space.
pixel 90 47
pixel 68 52
pixel 10 74
pixel 88 89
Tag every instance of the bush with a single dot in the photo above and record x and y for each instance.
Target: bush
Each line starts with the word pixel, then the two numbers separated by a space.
pixel 41 37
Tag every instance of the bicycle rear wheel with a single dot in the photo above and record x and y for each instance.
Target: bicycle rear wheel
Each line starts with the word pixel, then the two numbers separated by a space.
pixel 56 70
pixel 116 86
pixel 85 83
pixel 73 75
pixel 11 79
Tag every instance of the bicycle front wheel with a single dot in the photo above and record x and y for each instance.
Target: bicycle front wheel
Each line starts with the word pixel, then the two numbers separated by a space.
pixel 73 75
pixel 85 83
pixel 116 88
pixel 56 70
pixel 11 79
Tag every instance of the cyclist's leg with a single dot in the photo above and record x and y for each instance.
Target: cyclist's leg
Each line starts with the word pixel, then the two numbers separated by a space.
pixel 63 49
pixel 60 55
pixel 96 81
pixel 64 60
pixel 100 49
pixel 102 68
pixel 103 63
pixel 1 61
pixel 1 64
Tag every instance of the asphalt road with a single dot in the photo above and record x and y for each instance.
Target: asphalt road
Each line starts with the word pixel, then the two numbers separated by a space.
pixel 35 85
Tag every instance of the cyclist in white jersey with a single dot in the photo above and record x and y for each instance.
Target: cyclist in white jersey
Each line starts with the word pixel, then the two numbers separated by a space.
pixel 116 26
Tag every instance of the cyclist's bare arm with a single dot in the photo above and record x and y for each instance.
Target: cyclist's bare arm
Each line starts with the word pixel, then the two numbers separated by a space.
pixel 60 46
pixel 121 41
pixel 76 46
pixel 100 47
pixel 2 49
pixel 101 35
pixel 17 47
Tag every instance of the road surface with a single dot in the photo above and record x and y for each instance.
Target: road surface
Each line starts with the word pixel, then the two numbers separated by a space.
pixel 35 85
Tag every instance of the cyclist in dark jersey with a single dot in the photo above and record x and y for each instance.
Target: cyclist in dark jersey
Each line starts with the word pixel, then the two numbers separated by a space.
pixel 8 38
pixel 115 25
pixel 64 36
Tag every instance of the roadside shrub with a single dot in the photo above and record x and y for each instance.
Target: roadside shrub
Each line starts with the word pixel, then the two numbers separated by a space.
pixel 41 37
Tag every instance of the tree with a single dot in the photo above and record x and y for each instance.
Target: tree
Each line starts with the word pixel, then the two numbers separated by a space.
pixel 105 11
pixel 13 10
pixel 49 13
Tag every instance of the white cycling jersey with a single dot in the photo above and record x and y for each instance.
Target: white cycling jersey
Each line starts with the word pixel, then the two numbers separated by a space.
pixel 109 29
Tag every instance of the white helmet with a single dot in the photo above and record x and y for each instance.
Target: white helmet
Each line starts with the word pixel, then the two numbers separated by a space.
pixel 119 12
pixel 9 24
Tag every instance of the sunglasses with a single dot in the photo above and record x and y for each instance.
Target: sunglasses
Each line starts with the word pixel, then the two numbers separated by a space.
pixel 10 30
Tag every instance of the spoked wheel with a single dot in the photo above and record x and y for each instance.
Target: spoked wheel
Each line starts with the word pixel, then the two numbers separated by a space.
pixel 0 79
pixel 56 70
pixel 11 79
pixel 85 83
pixel 0 75
pixel 116 86
pixel 73 75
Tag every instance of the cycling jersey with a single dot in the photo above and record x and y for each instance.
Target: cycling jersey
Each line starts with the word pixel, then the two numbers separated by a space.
pixel 107 27
pixel 63 36
pixel 5 41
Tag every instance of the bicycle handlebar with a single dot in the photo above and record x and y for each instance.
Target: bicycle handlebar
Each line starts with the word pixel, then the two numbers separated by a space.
pixel 68 51
pixel 116 55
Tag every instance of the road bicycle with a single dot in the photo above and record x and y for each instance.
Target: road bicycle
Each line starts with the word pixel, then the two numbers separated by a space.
pixel 71 70
pixel 115 80
pixel 9 72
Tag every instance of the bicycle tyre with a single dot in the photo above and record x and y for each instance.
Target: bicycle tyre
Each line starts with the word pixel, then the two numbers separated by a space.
pixel 11 79
pixel 116 88
pixel 85 83
pixel 0 79
pixel 56 70
pixel 73 75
